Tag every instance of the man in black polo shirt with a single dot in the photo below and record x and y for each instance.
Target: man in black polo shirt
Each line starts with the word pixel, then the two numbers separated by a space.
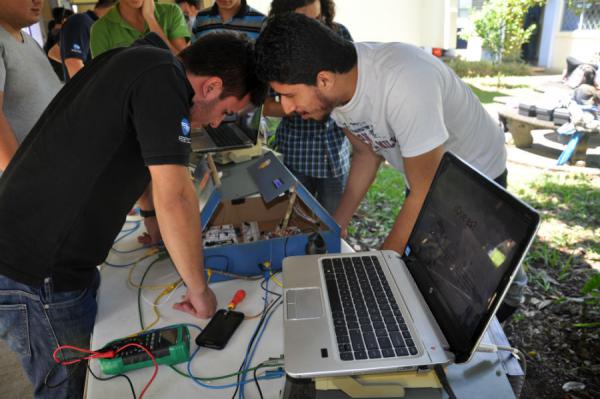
pixel 119 128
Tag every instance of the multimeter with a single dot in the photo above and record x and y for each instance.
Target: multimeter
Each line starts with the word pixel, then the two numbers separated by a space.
pixel 168 345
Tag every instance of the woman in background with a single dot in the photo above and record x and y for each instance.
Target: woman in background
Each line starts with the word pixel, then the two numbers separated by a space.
pixel 317 152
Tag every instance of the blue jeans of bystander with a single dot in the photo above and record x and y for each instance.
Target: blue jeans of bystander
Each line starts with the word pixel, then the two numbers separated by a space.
pixel 34 321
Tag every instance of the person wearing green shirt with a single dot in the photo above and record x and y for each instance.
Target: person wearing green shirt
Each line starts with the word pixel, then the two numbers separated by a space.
pixel 130 20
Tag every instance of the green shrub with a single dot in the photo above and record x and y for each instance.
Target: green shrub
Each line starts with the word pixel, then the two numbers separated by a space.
pixel 471 69
pixel 500 24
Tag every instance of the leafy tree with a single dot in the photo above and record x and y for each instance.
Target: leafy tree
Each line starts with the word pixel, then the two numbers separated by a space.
pixel 578 6
pixel 500 25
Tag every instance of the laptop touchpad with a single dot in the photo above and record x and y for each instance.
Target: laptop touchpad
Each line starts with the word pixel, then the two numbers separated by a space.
pixel 304 304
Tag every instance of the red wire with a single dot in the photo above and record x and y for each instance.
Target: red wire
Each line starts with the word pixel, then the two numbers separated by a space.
pixel 106 354
pixel 60 348
pixel 153 361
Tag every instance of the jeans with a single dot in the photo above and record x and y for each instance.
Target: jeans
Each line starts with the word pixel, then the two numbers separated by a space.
pixel 34 321
pixel 327 190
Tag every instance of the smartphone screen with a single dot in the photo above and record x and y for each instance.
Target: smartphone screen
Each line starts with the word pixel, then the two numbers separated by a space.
pixel 220 328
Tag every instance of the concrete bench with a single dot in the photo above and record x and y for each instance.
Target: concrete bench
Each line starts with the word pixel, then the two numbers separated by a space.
pixel 520 126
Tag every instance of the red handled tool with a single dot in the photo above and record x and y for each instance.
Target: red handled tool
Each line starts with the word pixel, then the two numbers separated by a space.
pixel 237 298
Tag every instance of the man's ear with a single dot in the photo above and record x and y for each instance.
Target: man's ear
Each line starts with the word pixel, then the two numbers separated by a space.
pixel 325 80
pixel 212 88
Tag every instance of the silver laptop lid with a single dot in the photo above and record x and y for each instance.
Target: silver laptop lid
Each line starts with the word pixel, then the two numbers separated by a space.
pixel 465 248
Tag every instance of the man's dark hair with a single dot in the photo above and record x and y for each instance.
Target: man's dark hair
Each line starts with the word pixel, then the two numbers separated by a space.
pixel 194 3
pixel 229 56
pixel 59 14
pixel 283 6
pixel 105 3
pixel 293 49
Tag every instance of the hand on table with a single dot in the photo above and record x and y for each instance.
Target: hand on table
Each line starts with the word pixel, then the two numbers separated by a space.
pixel 201 305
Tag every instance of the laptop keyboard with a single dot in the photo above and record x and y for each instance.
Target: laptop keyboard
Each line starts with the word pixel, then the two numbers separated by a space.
pixel 368 321
pixel 224 136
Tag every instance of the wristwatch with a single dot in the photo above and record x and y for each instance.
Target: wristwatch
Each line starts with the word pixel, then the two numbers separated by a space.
pixel 147 214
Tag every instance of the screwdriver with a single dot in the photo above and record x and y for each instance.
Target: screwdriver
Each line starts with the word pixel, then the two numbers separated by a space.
pixel 237 298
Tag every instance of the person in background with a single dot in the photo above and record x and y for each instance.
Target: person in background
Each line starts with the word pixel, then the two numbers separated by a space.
pixel 27 81
pixel 134 107
pixel 59 16
pixel 130 20
pixel 73 49
pixel 233 15
pixel 317 152
pixel 190 9
pixel 395 102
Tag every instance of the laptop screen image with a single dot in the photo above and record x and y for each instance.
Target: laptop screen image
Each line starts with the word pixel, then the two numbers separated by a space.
pixel 467 243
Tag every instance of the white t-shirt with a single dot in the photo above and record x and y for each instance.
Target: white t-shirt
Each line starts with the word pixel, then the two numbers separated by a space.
pixel 408 102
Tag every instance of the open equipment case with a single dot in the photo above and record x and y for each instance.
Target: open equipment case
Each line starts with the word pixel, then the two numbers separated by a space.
pixel 259 215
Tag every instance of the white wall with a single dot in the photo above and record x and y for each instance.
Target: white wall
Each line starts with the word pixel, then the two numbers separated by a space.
pixel 427 23
pixel 579 44
pixel 556 46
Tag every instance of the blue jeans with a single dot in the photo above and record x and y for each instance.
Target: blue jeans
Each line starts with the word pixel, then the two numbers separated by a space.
pixel 327 190
pixel 34 321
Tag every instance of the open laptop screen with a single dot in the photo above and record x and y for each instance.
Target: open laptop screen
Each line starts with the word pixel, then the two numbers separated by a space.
pixel 468 241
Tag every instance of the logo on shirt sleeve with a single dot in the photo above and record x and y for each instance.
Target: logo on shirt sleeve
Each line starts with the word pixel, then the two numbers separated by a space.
pixel 185 132
pixel 76 49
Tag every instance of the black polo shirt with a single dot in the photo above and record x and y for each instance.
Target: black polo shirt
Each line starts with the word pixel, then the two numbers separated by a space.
pixel 75 38
pixel 65 195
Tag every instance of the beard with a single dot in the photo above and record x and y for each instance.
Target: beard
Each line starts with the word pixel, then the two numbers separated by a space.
pixel 326 106
pixel 201 111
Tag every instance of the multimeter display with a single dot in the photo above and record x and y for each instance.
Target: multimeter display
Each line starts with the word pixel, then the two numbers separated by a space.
pixel 169 345
pixel 157 342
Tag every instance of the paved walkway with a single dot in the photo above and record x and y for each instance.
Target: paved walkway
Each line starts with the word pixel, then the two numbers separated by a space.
pixel 13 383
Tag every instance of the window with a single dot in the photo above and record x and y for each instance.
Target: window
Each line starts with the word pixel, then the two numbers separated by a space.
pixel 584 15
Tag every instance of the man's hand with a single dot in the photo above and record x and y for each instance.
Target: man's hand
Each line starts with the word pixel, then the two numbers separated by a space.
pixel 201 305
pixel 148 10
pixel 152 235
pixel 344 233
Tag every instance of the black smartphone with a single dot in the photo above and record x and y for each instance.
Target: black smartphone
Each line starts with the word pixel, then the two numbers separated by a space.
pixel 220 328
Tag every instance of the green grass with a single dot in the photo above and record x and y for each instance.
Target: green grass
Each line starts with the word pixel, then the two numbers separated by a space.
pixel 388 188
pixel 386 196
pixel 570 209
pixel 486 97
pixel 569 205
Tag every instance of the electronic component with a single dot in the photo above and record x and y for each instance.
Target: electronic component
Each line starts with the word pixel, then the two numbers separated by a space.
pixel 278 183
pixel 220 235
pixel 168 345
pixel 250 231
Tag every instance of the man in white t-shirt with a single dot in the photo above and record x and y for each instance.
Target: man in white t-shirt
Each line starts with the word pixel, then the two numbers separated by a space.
pixel 395 102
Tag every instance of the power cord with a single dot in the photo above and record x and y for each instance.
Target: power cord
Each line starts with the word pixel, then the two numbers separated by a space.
pixel 516 352
pixel 441 375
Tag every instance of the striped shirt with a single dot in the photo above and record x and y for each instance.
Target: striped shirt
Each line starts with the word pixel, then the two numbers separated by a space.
pixel 247 21
pixel 314 148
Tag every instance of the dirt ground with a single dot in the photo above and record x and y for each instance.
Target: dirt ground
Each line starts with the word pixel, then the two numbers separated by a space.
pixel 563 361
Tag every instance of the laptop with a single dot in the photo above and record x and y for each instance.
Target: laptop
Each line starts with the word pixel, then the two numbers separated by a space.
pixel 232 135
pixel 377 311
